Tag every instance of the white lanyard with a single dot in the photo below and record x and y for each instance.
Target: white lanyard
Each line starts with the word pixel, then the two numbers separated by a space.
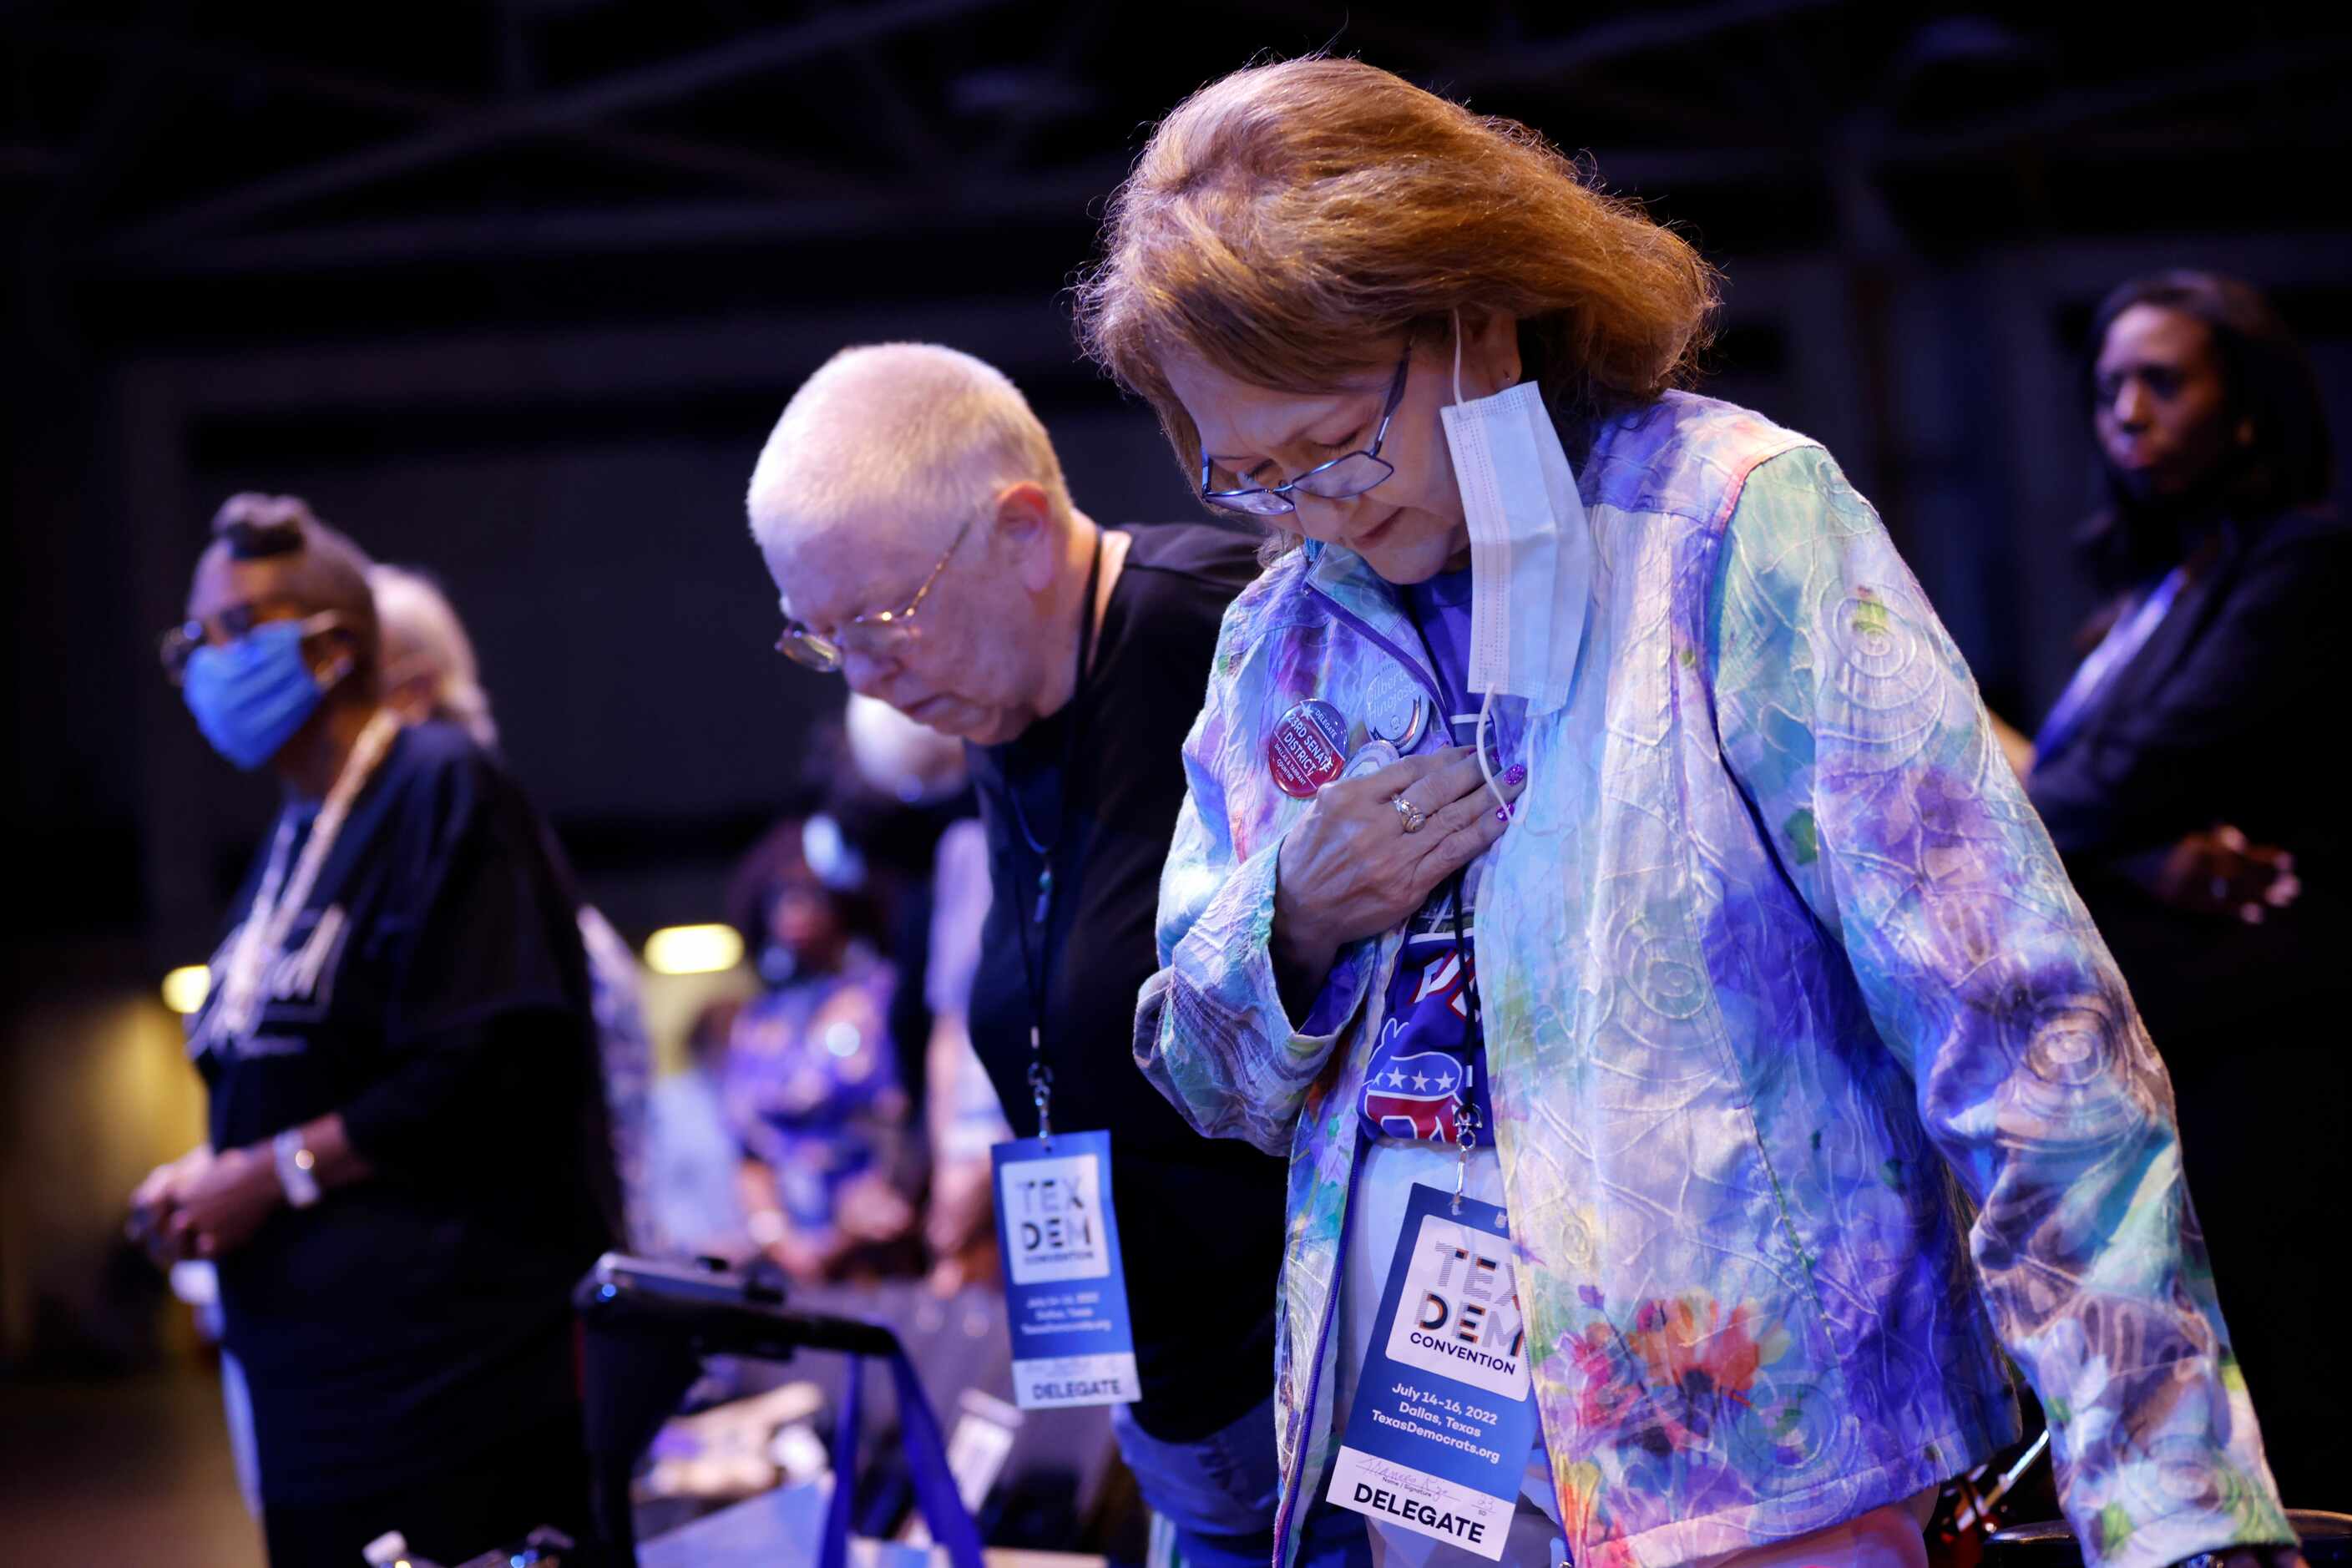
pixel 263 934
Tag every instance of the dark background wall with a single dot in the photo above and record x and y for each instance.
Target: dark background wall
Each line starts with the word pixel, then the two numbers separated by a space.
pixel 513 291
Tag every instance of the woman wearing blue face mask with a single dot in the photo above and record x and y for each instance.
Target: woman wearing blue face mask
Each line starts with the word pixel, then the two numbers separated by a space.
pixel 406 1168
pixel 1594 841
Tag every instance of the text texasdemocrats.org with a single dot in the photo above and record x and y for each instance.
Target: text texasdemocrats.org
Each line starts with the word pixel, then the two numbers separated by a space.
pixel 1418 1430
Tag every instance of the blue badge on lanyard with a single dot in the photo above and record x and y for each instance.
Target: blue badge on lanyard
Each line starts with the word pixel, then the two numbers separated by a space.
pixel 1065 1289
pixel 1444 1418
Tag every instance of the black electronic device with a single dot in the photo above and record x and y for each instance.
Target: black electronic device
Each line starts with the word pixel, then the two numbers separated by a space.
pixel 649 1323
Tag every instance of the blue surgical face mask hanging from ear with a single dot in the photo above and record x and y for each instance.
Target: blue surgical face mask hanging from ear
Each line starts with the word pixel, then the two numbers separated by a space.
pixel 1530 547
pixel 250 696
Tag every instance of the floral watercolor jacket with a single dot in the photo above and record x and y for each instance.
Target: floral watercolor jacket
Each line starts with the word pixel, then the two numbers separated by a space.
pixel 1791 1014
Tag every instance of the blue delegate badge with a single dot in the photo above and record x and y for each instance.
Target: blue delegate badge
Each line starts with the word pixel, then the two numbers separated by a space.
pixel 1444 1419
pixel 1065 1288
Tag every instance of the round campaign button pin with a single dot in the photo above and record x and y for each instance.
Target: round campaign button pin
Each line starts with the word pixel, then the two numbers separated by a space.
pixel 1398 717
pixel 1370 758
pixel 1308 748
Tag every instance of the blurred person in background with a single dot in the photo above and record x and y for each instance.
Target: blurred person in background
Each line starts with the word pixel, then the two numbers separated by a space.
pixel 430 672
pixel 692 1160
pixel 924 769
pixel 811 1085
pixel 409 1166
pixel 914 517
pixel 2210 847
pixel 896 799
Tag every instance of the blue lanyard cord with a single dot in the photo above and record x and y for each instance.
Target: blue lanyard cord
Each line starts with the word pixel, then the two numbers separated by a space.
pixel 2115 650
pixel 1466 1110
pixel 1036 970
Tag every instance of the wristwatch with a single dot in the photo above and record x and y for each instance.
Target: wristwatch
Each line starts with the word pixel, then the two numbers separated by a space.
pixel 296 1168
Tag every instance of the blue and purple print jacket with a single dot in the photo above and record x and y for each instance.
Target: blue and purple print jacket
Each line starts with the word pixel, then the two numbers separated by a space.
pixel 1814 1084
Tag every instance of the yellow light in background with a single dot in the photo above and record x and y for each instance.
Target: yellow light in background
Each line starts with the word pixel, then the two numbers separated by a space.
pixel 185 987
pixel 693 950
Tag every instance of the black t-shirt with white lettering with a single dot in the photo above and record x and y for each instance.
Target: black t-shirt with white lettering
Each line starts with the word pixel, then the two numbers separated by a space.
pixel 433 989
pixel 1200 1219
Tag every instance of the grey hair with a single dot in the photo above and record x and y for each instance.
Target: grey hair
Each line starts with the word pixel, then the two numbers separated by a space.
pixel 420 627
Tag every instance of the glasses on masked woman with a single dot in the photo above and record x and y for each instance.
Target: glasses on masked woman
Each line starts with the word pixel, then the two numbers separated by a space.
pixel 178 644
pixel 1348 474
pixel 878 634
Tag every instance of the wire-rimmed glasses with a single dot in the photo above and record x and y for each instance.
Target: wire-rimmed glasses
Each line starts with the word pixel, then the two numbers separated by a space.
pixel 178 644
pixel 1348 474
pixel 874 634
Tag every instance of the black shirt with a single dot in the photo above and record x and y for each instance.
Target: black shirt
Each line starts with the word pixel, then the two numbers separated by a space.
pixel 2222 716
pixel 1200 1219
pixel 433 989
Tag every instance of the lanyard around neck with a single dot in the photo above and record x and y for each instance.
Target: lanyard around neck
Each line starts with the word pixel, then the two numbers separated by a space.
pixel 2122 644
pixel 263 935
pixel 1036 970
pixel 1474 1037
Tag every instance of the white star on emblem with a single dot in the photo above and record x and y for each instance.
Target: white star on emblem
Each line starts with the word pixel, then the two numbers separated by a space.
pixel 1419 1081
pixel 1395 1076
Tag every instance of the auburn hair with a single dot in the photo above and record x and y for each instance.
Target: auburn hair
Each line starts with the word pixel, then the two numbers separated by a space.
pixel 1287 223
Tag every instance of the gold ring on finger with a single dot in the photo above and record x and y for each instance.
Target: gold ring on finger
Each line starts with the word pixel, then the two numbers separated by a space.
pixel 1415 818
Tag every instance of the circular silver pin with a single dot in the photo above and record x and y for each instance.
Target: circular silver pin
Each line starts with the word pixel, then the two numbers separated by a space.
pixel 1370 758
pixel 1400 716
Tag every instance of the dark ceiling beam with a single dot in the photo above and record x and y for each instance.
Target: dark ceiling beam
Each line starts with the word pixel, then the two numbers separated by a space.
pixel 1054 87
pixel 136 101
pixel 621 93
pixel 1072 195
pixel 1469 64
pixel 896 119
pixel 1453 64
pixel 2065 111
pixel 653 226
pixel 752 171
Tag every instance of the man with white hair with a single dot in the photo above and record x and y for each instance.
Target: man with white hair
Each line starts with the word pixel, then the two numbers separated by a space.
pixel 915 519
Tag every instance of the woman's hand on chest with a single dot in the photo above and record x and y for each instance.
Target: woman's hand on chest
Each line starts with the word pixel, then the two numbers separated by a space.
pixel 1369 850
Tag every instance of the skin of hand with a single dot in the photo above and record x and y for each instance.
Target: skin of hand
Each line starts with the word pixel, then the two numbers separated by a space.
pixel 802 1260
pixel 1347 868
pixel 871 1210
pixel 2262 1557
pixel 959 1208
pixel 217 1206
pixel 2016 748
pixel 203 1205
pixel 958 1224
pixel 154 1202
pixel 800 1256
pixel 2220 872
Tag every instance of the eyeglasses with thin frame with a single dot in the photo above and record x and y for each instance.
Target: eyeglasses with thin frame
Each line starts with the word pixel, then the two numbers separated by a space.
pixel 1348 474
pixel 873 634
pixel 178 644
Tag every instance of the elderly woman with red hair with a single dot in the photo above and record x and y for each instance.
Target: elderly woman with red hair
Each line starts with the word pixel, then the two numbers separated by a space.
pixel 1588 815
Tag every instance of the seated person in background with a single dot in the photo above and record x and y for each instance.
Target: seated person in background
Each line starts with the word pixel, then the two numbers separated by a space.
pixel 409 1166
pixel 922 769
pixel 2176 755
pixel 691 1158
pixel 811 1085
pixel 430 672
